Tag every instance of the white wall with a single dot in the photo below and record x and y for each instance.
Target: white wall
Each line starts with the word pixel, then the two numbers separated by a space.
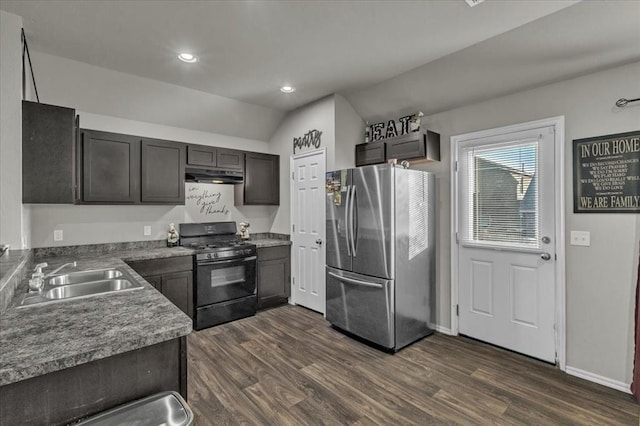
pixel 318 115
pixel 601 278
pixel 102 91
pixel 83 224
pixel 10 130
pixel 349 133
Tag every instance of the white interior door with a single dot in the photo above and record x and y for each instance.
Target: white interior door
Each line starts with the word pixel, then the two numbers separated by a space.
pixel 506 240
pixel 308 231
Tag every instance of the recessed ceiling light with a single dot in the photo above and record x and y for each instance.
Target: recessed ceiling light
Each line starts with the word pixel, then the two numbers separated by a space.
pixel 287 89
pixel 188 57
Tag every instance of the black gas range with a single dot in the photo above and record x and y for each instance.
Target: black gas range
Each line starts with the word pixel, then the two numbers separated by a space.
pixel 225 272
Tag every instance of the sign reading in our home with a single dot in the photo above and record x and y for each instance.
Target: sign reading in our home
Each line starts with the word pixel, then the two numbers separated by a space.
pixel 606 174
pixel 310 139
pixel 392 128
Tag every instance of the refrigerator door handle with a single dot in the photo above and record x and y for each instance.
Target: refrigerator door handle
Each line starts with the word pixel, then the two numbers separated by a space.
pixel 352 281
pixel 346 221
pixel 354 221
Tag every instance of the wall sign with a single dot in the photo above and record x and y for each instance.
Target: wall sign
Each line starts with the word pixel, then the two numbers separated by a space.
pixel 393 128
pixel 311 138
pixel 606 174
pixel 206 200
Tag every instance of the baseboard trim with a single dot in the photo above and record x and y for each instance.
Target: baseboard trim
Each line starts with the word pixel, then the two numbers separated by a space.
pixel 601 380
pixel 443 330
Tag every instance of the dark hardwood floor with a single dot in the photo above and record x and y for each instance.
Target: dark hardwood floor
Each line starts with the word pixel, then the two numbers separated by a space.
pixel 288 366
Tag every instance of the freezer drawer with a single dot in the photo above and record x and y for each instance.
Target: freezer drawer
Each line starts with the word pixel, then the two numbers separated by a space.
pixel 361 305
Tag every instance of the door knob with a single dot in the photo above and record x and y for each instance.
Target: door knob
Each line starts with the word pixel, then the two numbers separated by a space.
pixel 319 241
pixel 545 256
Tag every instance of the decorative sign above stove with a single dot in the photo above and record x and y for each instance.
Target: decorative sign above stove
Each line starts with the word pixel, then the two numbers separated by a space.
pixel 310 139
pixel 606 174
pixel 206 200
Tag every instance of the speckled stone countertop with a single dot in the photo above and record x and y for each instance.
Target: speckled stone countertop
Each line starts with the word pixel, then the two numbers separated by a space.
pixel 268 239
pixel 261 243
pixel 40 339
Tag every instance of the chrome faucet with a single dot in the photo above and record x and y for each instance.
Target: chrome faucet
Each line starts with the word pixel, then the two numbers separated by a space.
pixel 36 283
pixel 55 271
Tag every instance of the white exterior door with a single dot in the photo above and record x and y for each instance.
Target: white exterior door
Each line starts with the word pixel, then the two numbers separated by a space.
pixel 505 188
pixel 308 231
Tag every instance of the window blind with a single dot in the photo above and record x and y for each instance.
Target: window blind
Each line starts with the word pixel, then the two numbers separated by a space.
pixel 502 194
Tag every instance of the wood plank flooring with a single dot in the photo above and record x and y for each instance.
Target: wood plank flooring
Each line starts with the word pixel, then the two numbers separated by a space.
pixel 287 366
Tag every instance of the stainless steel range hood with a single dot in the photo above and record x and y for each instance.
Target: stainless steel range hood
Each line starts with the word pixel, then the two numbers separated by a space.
pixel 193 174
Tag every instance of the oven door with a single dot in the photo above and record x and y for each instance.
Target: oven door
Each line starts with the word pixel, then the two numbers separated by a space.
pixel 223 280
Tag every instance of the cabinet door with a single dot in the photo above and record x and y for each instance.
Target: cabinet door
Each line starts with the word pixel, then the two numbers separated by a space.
pixel 201 155
pixel 178 288
pixel 261 179
pixel 155 281
pixel 162 179
pixel 273 277
pixel 406 148
pixel 111 167
pixel 48 154
pixel 230 159
pixel 370 153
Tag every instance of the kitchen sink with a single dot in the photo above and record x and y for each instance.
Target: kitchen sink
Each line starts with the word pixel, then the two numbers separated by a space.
pixel 81 284
pixel 85 289
pixel 83 277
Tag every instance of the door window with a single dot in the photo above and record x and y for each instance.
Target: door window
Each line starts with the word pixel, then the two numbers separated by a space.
pixel 502 192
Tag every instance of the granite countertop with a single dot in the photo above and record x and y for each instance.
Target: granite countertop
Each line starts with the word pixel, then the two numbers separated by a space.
pixel 40 339
pixel 270 242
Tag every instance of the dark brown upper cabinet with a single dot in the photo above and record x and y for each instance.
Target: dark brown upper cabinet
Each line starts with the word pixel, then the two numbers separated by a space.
pixel 162 167
pixel 110 167
pixel 261 179
pixel 230 159
pixel 370 153
pixel 48 153
pixel 418 146
pixel 201 155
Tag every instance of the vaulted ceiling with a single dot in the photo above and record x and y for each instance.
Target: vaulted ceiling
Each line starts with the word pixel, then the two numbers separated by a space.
pixel 386 57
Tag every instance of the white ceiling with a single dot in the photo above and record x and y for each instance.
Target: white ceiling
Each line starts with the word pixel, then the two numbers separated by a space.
pixel 248 49
pixel 386 57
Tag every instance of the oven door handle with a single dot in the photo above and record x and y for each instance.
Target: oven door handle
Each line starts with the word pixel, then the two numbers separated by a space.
pixel 222 262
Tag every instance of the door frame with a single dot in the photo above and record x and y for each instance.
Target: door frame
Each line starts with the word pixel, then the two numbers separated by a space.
pixel 559 216
pixel 292 158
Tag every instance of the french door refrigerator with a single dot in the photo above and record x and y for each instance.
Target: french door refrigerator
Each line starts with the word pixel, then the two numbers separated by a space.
pixel 381 253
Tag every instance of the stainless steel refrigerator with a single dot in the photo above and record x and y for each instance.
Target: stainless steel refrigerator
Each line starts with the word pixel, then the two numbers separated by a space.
pixel 381 253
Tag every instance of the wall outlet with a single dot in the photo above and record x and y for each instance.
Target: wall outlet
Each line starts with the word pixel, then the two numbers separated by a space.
pixel 57 235
pixel 147 230
pixel 580 238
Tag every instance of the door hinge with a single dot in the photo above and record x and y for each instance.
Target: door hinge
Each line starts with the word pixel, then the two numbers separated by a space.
pixel 555 256
pixel 457 310
pixel 293 281
pixel 294 228
pixel 292 174
pixel 456 166
pixel 457 238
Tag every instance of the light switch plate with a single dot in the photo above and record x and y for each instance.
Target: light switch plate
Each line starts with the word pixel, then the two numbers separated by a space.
pixel 147 230
pixel 58 235
pixel 580 238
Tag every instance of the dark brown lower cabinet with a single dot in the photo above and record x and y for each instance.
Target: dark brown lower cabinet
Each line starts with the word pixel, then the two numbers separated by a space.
pixel 173 277
pixel 66 395
pixel 274 276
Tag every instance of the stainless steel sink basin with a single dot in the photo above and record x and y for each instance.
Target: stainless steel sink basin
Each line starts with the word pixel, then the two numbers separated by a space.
pixel 85 289
pixel 82 284
pixel 83 277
